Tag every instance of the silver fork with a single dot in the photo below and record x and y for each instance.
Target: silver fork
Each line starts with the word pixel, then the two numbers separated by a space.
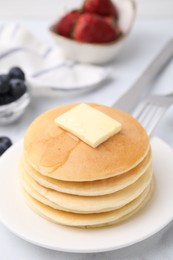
pixel 150 111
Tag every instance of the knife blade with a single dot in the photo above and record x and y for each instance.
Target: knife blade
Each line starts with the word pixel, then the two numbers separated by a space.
pixel 130 99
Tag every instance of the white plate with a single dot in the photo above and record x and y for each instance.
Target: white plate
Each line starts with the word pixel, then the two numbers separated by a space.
pixel 22 221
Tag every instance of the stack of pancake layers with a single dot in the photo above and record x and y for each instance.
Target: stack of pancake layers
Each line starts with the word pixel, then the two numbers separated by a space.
pixel 70 183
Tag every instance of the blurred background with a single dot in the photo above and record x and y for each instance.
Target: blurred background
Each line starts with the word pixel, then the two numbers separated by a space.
pixel 45 9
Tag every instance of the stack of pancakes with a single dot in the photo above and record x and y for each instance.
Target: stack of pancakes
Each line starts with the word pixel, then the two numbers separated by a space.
pixel 70 183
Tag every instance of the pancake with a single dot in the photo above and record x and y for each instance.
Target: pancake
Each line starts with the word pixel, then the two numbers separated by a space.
pixel 55 153
pixel 87 205
pixel 70 183
pixel 92 188
pixel 88 220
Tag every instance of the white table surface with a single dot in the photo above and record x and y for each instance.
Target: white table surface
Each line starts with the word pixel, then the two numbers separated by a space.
pixel 146 39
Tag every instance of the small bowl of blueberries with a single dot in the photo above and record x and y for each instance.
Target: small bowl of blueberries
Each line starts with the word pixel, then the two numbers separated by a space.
pixel 14 96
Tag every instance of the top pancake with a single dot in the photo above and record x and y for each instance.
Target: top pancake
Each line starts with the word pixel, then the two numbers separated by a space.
pixel 58 154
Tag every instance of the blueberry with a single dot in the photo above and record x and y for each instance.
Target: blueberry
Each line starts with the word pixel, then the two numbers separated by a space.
pixel 5 143
pixel 16 73
pixel 17 88
pixel 4 86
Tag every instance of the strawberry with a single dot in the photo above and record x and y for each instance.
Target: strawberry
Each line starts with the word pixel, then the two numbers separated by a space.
pixel 101 7
pixel 65 25
pixel 92 28
pixel 113 22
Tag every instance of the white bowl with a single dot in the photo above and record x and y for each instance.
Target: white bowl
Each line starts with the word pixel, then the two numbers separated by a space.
pixel 99 53
pixel 13 111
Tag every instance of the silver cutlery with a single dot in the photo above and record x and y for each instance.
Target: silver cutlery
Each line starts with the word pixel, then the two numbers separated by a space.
pixel 150 111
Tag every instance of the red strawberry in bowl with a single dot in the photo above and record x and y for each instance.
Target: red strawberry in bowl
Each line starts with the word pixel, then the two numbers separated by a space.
pixel 113 22
pixel 95 33
pixel 92 28
pixel 65 25
pixel 100 7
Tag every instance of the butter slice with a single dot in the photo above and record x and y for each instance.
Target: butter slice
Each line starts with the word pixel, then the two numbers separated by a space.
pixel 88 124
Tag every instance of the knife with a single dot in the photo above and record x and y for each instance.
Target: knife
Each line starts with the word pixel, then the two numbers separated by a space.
pixel 129 100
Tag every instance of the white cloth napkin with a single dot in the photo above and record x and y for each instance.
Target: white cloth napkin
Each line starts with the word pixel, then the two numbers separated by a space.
pixel 45 67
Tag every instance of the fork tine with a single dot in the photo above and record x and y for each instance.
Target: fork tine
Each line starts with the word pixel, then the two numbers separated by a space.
pixel 150 111
pixel 144 113
pixel 156 119
pixel 149 115
pixel 139 109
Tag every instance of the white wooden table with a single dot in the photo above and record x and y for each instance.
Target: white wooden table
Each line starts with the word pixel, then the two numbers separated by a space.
pixel 137 51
